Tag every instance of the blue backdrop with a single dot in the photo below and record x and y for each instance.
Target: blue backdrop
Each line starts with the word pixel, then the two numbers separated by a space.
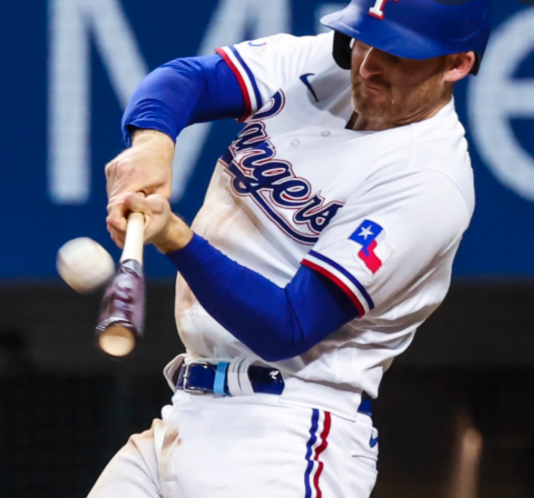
pixel 69 66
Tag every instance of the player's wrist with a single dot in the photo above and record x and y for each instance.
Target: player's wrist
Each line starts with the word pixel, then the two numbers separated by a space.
pixel 175 236
pixel 142 135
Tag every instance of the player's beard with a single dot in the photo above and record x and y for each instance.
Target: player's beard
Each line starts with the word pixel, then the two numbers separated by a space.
pixel 390 106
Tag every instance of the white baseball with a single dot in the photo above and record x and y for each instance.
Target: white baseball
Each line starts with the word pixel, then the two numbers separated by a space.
pixel 84 264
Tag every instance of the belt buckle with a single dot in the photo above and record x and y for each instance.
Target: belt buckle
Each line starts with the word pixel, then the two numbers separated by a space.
pixel 185 387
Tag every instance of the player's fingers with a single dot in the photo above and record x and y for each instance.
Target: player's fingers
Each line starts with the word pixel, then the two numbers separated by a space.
pixel 117 234
pixel 110 171
pixel 117 237
pixel 117 213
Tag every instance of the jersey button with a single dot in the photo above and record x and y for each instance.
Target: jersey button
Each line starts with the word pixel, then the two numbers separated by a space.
pixel 295 142
pixel 325 133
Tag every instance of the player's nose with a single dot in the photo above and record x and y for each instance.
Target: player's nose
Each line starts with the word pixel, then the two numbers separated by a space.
pixel 373 63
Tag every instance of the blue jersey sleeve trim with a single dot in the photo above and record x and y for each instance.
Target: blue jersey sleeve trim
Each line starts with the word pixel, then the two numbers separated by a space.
pixel 327 272
pixel 251 77
pixel 348 275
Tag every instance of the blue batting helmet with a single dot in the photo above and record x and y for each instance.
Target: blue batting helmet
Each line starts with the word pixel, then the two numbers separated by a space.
pixel 412 29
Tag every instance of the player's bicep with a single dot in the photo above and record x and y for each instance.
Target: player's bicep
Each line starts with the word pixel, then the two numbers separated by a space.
pixel 391 241
pixel 183 92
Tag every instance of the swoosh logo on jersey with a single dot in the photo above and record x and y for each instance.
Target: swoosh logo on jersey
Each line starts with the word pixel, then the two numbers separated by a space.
pixel 373 442
pixel 304 79
pixel 252 44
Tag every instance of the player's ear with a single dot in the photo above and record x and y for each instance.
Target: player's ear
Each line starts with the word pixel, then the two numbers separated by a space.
pixel 460 66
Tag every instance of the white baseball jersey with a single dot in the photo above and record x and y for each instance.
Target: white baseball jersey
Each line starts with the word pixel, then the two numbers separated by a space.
pixel 381 214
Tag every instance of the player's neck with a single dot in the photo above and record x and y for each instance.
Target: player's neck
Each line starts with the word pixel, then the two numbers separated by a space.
pixel 359 122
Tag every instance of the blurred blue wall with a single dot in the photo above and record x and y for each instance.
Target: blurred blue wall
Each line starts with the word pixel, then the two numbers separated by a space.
pixel 68 67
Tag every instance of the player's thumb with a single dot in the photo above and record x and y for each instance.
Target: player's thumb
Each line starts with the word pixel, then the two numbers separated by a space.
pixel 153 207
pixel 137 203
pixel 164 190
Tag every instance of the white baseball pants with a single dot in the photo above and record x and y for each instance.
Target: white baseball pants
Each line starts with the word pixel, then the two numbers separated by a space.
pixel 243 447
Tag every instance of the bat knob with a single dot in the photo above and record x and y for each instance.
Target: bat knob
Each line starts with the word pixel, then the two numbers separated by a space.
pixel 117 341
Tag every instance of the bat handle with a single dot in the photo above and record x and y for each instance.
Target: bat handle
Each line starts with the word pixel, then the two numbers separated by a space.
pixel 134 242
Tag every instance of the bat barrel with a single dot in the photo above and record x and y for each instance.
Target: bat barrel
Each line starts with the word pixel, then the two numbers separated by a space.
pixel 122 314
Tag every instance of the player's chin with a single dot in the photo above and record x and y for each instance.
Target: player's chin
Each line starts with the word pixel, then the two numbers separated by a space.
pixel 369 106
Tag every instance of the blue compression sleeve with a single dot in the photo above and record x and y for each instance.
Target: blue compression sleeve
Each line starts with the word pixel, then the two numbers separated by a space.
pixel 273 322
pixel 183 92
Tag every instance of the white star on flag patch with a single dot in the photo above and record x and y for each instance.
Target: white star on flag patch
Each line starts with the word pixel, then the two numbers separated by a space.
pixel 373 250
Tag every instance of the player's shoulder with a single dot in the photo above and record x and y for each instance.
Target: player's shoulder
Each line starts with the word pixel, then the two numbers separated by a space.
pixel 432 154
pixel 288 44
pixel 325 39
pixel 451 173
pixel 437 166
pixel 440 149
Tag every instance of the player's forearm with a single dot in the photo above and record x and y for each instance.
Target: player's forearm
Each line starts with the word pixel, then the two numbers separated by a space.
pixel 273 322
pixel 181 93
pixel 144 168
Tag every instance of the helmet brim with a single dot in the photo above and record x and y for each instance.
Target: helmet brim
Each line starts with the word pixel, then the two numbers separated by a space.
pixel 390 37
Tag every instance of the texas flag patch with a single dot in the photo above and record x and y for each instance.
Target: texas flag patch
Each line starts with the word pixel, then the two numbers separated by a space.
pixel 373 250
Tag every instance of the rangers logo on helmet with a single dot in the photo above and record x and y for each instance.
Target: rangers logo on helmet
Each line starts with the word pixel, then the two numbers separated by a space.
pixel 377 9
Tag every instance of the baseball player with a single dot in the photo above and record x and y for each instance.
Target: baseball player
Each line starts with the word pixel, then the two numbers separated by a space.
pixel 326 238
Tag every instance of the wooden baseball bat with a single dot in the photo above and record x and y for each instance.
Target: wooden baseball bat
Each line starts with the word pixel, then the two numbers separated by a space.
pixel 122 313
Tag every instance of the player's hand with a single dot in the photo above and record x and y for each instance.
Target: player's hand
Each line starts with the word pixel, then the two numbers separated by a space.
pixel 162 227
pixel 145 167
